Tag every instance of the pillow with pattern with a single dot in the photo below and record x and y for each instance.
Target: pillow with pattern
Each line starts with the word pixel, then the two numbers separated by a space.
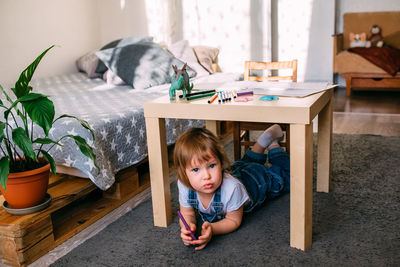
pixel 101 68
pixel 142 65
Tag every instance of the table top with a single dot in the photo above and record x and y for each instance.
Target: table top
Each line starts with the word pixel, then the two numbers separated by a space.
pixel 283 110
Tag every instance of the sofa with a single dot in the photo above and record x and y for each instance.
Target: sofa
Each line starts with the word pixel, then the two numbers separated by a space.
pixel 359 72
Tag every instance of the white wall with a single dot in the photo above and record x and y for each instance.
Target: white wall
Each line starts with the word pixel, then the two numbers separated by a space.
pixel 121 18
pixel 29 27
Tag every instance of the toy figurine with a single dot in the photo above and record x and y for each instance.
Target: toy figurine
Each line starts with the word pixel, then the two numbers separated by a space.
pixel 180 81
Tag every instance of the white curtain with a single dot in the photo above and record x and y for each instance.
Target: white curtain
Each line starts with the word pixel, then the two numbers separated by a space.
pixel 240 29
pixel 162 19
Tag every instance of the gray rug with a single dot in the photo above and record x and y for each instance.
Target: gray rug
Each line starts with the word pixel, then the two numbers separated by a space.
pixel 356 224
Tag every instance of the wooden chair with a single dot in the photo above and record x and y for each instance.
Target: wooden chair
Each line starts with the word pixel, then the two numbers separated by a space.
pixel 241 130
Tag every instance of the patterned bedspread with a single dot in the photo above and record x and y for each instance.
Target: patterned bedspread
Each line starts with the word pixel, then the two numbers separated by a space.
pixel 116 115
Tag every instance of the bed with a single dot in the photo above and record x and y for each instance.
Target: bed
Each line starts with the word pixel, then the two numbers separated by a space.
pixel 115 112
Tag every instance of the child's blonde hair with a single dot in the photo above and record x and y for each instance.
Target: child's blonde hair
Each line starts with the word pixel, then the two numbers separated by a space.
pixel 199 143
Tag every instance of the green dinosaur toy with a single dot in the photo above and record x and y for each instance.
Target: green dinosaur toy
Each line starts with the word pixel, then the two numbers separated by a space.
pixel 180 81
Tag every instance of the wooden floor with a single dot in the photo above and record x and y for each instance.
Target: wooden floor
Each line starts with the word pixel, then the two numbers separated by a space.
pixel 362 113
pixel 367 112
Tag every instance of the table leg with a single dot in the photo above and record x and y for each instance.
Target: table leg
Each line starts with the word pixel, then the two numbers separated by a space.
pixel 159 172
pixel 212 126
pixel 301 172
pixel 324 147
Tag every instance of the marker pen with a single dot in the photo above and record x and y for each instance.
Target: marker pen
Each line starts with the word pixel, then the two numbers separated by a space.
pixel 199 96
pixel 199 93
pixel 212 98
pixel 186 225
pixel 245 93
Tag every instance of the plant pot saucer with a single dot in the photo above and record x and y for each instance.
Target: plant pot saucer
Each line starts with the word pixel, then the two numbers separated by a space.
pixel 45 203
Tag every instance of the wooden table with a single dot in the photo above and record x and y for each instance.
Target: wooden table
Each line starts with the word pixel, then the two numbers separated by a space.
pixel 298 112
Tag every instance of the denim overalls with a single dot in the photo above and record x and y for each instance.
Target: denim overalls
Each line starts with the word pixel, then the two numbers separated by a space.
pixel 216 203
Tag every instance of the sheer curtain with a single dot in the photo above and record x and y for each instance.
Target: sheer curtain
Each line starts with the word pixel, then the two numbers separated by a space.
pixel 240 29
pixel 162 20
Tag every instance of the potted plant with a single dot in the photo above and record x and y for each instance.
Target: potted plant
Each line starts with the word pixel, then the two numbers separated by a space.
pixel 22 153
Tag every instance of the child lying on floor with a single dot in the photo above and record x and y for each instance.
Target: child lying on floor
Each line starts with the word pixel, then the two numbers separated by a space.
pixel 221 197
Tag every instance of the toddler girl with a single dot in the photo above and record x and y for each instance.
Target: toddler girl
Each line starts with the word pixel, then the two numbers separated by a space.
pixel 221 197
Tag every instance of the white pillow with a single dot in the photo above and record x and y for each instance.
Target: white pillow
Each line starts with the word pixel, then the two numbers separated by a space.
pixel 184 52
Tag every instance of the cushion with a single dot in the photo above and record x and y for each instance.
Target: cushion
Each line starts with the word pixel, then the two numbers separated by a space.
pixel 206 56
pixel 101 68
pixel 141 65
pixel 112 79
pixel 184 52
pixel 393 40
pixel 88 64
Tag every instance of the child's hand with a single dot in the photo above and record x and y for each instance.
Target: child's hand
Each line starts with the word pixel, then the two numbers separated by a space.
pixel 185 234
pixel 206 234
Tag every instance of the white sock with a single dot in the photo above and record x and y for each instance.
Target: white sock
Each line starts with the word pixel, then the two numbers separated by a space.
pixel 270 136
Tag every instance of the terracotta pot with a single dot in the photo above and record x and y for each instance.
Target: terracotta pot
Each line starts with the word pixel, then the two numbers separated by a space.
pixel 27 189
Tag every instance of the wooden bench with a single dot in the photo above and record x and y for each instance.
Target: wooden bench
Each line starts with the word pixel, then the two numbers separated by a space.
pixel 371 81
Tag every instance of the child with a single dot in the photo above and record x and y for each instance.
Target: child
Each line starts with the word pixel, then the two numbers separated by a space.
pixel 221 197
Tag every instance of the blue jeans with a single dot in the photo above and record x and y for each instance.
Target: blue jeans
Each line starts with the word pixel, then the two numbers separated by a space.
pixel 263 182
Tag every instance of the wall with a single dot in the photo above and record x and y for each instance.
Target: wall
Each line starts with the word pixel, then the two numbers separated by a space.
pixel 29 27
pixel 121 18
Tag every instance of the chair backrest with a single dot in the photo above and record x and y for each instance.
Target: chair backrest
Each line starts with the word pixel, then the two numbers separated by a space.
pixel 256 65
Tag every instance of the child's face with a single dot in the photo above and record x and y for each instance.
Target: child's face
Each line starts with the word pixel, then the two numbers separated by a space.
pixel 205 176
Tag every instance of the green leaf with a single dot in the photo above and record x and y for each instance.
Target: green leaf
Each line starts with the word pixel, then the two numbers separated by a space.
pixel 4 171
pixel 40 110
pixel 84 123
pixel 22 85
pixel 85 148
pixel 46 141
pixel 29 97
pixel 50 159
pixel 2 127
pixel 23 142
pixel 5 93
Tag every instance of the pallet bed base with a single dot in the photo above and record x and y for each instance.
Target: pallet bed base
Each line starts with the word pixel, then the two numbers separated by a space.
pixel 76 204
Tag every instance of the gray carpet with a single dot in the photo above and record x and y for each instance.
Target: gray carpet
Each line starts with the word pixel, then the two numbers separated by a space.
pixel 357 224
